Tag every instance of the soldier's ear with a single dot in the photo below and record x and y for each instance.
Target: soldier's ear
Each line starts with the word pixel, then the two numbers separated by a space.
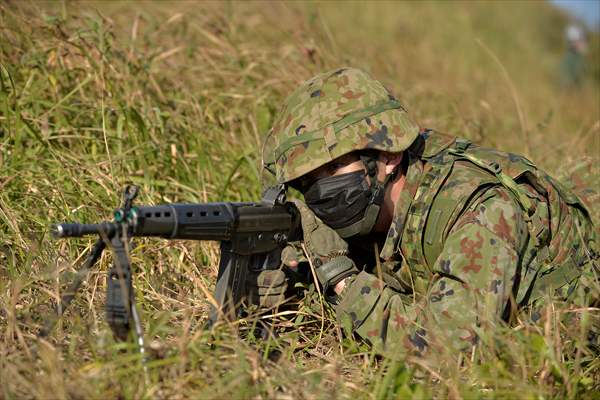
pixel 390 160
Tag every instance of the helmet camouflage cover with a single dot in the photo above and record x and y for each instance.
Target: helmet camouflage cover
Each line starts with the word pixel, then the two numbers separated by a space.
pixel 333 114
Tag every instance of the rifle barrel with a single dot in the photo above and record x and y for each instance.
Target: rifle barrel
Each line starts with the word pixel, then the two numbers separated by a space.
pixel 77 230
pixel 199 221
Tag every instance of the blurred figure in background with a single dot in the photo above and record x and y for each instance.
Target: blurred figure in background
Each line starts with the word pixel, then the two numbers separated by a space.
pixel 573 63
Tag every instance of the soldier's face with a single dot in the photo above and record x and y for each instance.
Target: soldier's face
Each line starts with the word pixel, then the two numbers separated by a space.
pixel 339 193
pixel 352 163
pixel 341 165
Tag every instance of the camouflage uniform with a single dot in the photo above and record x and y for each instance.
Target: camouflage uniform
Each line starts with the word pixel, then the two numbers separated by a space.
pixel 468 244
pixel 477 234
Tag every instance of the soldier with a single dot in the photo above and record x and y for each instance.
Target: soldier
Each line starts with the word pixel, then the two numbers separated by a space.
pixel 418 238
pixel 572 67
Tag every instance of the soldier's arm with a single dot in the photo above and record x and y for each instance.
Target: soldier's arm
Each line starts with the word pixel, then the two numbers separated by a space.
pixel 473 281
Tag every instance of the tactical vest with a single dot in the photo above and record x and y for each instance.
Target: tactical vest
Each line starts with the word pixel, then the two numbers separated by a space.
pixel 435 208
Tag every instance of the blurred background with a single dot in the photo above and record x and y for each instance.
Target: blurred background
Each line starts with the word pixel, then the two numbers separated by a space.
pixel 585 11
pixel 206 76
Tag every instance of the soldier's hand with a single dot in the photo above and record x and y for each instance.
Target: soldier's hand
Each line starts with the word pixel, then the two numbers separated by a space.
pixel 267 288
pixel 292 255
pixel 327 251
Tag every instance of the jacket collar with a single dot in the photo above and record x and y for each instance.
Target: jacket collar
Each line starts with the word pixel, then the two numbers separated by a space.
pixel 427 145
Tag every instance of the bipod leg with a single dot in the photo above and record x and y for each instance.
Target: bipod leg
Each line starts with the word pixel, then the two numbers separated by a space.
pixel 121 312
pixel 69 295
pixel 139 332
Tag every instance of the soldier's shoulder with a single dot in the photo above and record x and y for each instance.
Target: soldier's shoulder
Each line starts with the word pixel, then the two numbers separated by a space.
pixel 430 143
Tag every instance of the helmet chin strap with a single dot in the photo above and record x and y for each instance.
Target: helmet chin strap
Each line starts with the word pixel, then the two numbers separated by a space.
pixel 365 225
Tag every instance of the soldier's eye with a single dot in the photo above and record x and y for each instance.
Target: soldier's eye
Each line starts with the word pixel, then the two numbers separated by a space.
pixel 305 184
pixel 333 167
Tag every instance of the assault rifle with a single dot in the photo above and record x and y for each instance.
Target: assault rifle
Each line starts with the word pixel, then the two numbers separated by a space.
pixel 252 236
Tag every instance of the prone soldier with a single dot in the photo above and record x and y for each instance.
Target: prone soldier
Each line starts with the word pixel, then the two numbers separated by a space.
pixel 462 234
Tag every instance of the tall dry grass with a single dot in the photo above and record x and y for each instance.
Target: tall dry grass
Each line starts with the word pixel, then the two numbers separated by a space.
pixel 176 97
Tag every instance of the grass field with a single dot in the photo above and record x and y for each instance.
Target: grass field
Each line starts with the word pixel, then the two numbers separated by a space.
pixel 176 97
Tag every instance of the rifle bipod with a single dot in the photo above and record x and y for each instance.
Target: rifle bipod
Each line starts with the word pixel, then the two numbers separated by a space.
pixel 121 312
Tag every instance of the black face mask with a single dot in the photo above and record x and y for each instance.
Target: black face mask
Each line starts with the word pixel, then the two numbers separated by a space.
pixel 342 200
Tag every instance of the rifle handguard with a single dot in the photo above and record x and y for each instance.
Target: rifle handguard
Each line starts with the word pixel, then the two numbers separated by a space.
pixel 334 271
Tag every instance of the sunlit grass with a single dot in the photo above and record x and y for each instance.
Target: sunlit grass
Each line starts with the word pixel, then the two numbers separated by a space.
pixel 176 97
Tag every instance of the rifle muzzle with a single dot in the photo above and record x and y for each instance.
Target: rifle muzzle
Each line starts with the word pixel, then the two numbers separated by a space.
pixel 78 230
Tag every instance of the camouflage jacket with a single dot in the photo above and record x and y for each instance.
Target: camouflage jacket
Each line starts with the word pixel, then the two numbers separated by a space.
pixel 477 235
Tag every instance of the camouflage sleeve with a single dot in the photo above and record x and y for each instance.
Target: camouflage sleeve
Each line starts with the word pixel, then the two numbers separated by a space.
pixel 472 283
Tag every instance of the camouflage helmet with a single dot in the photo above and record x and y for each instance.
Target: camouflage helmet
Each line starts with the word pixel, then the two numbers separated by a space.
pixel 333 114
